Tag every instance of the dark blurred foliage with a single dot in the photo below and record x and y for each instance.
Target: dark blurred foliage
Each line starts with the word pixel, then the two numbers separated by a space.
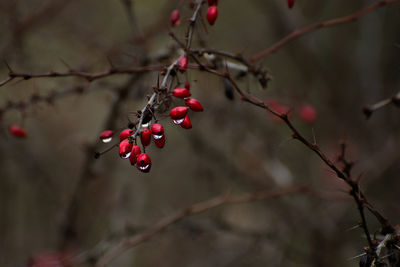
pixel 232 146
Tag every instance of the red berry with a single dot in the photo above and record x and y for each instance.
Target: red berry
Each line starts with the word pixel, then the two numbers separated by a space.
pixel 194 104
pixel 17 131
pixel 182 63
pixel 157 131
pixel 212 14
pixel 175 15
pixel 178 113
pixel 145 137
pixel 186 124
pixel 160 142
pixel 125 149
pixel 290 3
pixel 181 92
pixel 307 113
pixel 212 2
pixel 187 85
pixel 143 162
pixel 134 154
pixel 125 134
pixel 106 136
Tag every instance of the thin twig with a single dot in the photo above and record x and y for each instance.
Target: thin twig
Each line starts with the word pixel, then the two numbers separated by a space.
pixel 80 74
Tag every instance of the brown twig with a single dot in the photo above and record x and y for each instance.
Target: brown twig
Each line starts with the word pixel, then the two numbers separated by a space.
pixel 80 74
pixel 325 24
pixel 197 208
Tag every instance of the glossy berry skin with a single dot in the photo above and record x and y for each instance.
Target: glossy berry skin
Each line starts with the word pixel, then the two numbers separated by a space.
pixel 194 104
pixel 175 16
pixel 157 130
pixel 182 64
pixel 186 124
pixel 134 154
pixel 290 3
pixel 212 2
pixel 145 137
pixel 178 113
pixel 125 149
pixel 307 113
pixel 143 162
pixel 125 134
pixel 17 131
pixel 160 142
pixel 212 14
pixel 106 136
pixel 181 92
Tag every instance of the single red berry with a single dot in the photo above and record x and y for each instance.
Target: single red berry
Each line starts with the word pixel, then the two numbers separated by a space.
pixel 157 130
pixel 143 162
pixel 186 123
pixel 125 149
pixel 212 14
pixel 193 104
pixel 307 113
pixel 212 2
pixel 178 113
pixel 182 63
pixel 175 16
pixel 106 136
pixel 181 92
pixel 187 85
pixel 125 134
pixel 134 154
pixel 160 142
pixel 290 3
pixel 17 131
pixel 145 137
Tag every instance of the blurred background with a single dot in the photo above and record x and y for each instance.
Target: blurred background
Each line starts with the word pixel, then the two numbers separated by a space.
pixel 56 198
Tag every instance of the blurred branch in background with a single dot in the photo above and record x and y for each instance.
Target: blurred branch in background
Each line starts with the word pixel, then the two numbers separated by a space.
pixel 131 241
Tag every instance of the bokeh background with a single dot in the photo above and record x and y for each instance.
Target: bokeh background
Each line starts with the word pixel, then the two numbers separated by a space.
pixel 233 146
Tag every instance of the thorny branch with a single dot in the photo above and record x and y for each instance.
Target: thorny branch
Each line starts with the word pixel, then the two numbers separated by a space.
pixel 355 191
pixel 80 74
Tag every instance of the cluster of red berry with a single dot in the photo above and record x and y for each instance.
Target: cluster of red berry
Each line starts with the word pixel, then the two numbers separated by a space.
pixel 212 14
pixel 128 148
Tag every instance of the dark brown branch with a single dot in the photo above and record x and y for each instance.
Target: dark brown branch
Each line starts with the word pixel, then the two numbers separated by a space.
pixel 325 24
pixel 80 74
